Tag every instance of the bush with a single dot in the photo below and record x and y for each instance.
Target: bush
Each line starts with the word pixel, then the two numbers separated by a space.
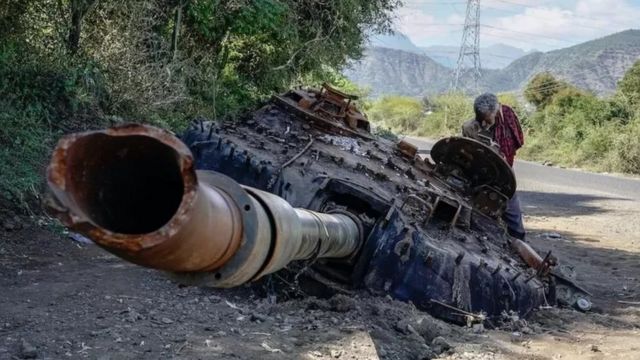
pixel 450 111
pixel 69 65
pixel 399 114
pixel 629 86
pixel 39 100
pixel 627 149
pixel 542 88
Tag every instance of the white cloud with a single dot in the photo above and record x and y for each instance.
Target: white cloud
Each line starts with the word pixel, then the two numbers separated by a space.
pixel 420 26
pixel 548 27
pixel 527 24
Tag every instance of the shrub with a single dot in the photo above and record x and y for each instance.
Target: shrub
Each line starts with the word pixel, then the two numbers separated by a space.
pixel 398 113
pixel 629 86
pixel 450 111
pixel 542 88
pixel 627 149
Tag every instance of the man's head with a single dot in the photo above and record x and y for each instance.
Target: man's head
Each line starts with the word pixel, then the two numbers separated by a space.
pixel 486 108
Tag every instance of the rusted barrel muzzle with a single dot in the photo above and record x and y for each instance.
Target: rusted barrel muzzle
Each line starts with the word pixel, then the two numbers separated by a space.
pixel 134 191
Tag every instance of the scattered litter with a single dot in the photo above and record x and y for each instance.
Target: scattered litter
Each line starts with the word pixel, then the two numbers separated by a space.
pixel 269 348
pixel 629 302
pixel 552 235
pixel 232 305
pixel 336 353
pixel 27 351
pixel 79 238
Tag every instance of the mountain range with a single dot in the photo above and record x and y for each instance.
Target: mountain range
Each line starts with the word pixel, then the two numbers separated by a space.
pixel 400 67
pixel 496 56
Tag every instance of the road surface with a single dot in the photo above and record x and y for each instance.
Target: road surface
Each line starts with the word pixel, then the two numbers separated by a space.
pixel 535 176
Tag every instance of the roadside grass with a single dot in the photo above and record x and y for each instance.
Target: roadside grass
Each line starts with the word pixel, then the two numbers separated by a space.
pixel 576 129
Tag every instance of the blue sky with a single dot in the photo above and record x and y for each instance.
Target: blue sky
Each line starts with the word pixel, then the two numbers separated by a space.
pixel 527 24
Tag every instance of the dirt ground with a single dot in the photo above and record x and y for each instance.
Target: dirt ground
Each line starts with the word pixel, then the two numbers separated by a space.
pixel 62 299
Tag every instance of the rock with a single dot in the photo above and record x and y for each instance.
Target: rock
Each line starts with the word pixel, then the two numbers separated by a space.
pixel 595 348
pixel 133 316
pixel 255 317
pixel 402 326
pixel 27 351
pixel 336 354
pixel 342 303
pixel 516 337
pixel 552 235
pixel 166 320
pixel 8 225
pixel 478 328
pixel 427 354
pixel 440 345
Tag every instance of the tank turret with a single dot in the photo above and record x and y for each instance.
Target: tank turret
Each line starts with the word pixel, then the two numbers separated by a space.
pixel 303 179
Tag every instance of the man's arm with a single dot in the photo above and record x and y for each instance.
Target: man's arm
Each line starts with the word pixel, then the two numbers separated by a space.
pixel 471 130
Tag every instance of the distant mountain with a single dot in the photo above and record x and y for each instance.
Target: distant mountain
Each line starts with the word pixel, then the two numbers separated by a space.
pixel 397 41
pixel 496 56
pixel 595 65
pixel 444 55
pixel 499 56
pixel 391 71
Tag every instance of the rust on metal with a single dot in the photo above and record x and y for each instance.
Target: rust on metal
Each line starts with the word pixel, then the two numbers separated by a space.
pixel 364 214
pixel 329 109
pixel 532 258
pixel 134 191
pixel 407 149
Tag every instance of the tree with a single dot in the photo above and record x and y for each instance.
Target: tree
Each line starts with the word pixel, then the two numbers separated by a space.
pixel 78 9
pixel 542 88
pixel 629 86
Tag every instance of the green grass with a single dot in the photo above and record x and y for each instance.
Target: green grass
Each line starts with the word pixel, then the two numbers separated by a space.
pixel 576 129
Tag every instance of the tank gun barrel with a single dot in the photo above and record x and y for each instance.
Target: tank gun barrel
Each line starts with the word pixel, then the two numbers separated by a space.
pixel 134 191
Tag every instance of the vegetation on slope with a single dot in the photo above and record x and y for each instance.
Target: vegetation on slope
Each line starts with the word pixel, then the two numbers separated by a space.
pixel 595 65
pixel 568 126
pixel 78 64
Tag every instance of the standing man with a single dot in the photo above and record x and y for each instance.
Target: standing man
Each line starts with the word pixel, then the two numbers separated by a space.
pixel 499 124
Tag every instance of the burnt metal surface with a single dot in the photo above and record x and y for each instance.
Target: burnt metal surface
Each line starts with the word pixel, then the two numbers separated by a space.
pixel 434 234
pixel 363 212
pixel 329 109
pixel 134 191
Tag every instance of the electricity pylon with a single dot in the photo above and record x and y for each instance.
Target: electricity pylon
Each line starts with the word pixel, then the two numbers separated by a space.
pixel 469 57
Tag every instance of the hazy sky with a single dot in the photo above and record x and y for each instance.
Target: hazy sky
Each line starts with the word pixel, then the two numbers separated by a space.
pixel 527 24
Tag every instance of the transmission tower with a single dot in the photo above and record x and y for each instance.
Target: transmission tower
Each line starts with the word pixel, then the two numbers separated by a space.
pixel 469 57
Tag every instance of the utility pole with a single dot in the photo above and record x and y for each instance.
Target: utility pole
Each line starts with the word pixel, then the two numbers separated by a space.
pixel 469 57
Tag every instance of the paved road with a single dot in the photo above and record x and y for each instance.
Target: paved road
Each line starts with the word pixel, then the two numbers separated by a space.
pixel 532 175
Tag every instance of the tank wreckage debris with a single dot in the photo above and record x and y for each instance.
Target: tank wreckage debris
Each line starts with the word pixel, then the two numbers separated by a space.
pixel 303 179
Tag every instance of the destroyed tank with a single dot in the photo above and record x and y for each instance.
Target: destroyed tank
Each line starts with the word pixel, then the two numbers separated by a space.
pixel 303 184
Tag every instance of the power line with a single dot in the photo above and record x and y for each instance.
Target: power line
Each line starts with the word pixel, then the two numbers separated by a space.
pixel 470 46
pixel 481 53
pixel 537 18
pixel 530 7
pixel 526 33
